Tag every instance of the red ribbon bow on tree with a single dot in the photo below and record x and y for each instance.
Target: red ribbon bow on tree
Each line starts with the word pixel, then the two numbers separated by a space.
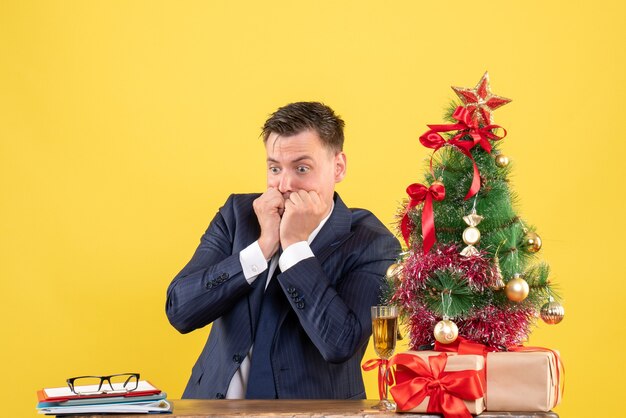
pixel 419 193
pixel 415 380
pixel 466 126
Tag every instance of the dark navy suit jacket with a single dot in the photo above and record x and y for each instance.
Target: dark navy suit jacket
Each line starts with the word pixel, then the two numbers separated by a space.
pixel 325 322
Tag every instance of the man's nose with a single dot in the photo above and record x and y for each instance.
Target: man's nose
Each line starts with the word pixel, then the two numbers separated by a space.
pixel 285 183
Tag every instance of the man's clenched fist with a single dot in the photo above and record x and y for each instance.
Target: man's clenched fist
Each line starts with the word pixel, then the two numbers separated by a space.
pixel 269 208
pixel 303 213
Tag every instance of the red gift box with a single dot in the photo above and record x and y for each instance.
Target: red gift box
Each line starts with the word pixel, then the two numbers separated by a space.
pixel 429 381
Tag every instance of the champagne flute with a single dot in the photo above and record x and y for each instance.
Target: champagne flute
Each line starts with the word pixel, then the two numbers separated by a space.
pixel 385 331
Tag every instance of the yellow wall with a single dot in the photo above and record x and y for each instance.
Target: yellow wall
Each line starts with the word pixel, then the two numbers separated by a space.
pixel 124 126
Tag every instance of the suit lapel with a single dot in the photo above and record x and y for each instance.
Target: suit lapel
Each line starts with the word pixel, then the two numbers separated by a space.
pixel 335 230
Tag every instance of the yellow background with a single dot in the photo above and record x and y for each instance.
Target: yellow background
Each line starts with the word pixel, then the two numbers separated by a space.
pixel 124 125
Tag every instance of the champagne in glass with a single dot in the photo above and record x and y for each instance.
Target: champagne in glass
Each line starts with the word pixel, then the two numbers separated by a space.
pixel 384 331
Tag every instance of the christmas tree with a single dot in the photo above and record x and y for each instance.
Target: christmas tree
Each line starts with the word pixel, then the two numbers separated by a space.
pixel 471 267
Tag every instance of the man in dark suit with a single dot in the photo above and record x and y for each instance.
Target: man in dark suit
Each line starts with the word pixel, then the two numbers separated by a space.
pixel 287 277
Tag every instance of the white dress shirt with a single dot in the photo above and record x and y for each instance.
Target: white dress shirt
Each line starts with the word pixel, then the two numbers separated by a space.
pixel 253 263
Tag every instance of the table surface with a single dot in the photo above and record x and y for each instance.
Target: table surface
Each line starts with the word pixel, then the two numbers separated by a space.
pixel 192 408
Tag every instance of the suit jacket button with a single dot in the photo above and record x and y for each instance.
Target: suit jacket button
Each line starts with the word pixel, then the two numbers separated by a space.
pixel 291 290
pixel 223 276
pixel 209 285
pixel 220 396
pixel 300 305
pixel 237 358
pixel 297 299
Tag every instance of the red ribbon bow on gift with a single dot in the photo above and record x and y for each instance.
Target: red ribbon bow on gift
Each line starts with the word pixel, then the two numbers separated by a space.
pixel 464 346
pixel 415 380
pixel 466 126
pixel 418 194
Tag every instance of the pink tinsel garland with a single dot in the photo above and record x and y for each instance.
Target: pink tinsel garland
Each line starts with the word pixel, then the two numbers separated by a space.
pixel 491 325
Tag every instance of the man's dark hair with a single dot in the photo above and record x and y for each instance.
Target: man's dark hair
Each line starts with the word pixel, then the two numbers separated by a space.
pixel 301 116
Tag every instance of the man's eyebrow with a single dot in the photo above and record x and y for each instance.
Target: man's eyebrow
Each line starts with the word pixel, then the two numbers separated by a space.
pixel 297 160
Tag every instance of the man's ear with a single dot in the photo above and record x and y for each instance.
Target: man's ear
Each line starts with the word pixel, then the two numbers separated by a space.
pixel 340 166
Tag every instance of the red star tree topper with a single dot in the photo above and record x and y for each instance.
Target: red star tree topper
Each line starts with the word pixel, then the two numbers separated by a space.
pixel 480 101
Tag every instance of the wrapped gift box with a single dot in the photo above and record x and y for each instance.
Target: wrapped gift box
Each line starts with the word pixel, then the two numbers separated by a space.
pixel 410 376
pixel 523 381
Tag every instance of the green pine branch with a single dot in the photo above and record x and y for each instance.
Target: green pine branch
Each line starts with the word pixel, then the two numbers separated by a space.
pixel 448 286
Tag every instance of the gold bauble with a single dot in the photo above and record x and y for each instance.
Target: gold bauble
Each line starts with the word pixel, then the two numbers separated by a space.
pixel 502 160
pixel 394 270
pixel 517 289
pixel 446 331
pixel 471 235
pixel 532 241
pixel 552 312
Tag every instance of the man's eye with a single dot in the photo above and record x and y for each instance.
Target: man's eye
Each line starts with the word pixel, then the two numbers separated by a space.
pixel 302 169
pixel 274 170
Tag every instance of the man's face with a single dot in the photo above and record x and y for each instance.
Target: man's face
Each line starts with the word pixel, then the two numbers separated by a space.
pixel 301 162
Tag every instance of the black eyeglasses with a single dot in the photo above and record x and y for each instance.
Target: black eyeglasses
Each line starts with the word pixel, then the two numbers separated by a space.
pixel 115 383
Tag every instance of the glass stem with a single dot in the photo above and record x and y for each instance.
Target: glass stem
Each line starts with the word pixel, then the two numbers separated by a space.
pixel 382 380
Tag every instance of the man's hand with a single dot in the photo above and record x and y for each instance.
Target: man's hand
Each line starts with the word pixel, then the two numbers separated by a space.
pixel 303 213
pixel 269 208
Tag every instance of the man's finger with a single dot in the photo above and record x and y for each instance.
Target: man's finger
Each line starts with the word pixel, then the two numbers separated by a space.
pixel 288 205
pixel 315 197
pixel 274 191
pixel 305 196
pixel 295 198
pixel 277 200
